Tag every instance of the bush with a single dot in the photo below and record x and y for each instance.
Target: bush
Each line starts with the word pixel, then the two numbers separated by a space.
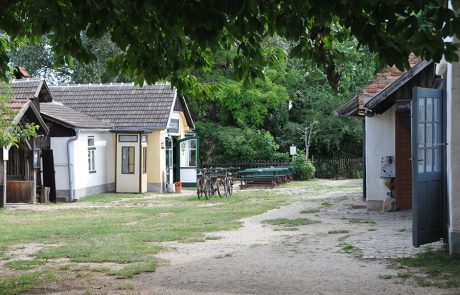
pixel 303 168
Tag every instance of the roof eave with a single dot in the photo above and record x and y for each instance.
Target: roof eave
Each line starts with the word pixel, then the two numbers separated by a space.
pixel 379 101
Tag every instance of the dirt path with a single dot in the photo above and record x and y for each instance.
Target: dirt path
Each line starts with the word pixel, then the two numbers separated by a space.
pixel 264 259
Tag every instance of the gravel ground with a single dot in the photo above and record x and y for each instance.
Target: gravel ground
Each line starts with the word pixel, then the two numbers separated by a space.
pixel 264 259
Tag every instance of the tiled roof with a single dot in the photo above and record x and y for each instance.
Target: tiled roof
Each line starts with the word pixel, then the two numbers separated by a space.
pixel 26 88
pixel 56 111
pixel 386 77
pixel 16 105
pixel 123 105
pixel 382 80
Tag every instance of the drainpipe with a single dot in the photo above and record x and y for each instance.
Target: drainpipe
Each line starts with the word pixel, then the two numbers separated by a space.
pixel 70 165
pixel 364 161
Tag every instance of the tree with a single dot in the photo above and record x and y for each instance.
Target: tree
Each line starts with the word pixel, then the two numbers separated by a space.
pixel 160 39
pixel 11 132
pixel 313 100
pixel 40 62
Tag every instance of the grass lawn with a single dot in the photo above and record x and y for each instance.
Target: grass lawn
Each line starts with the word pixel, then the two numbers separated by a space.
pixel 439 269
pixel 126 230
pixel 122 229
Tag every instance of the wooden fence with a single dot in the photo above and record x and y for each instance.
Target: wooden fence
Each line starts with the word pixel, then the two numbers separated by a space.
pixel 338 168
pixel 325 168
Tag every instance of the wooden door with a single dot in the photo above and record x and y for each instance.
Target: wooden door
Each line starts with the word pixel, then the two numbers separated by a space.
pixel 403 180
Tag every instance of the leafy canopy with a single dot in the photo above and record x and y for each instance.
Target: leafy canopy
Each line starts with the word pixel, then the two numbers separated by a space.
pixel 168 39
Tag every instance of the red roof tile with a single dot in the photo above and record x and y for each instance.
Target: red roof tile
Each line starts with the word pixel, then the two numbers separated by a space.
pixel 382 80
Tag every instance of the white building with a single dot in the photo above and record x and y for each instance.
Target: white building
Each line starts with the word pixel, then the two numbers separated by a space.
pixel 412 146
pixel 83 150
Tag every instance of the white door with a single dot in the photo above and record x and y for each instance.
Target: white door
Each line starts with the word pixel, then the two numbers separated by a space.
pixel 128 170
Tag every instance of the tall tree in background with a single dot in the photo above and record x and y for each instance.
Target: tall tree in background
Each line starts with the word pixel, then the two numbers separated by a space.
pixel 314 100
pixel 40 61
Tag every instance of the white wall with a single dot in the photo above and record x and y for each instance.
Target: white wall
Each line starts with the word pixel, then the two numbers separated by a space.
pixel 453 156
pixel 380 141
pixel 59 147
pixel 103 156
pixel 84 181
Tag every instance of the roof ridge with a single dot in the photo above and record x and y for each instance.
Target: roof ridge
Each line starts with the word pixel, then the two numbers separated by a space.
pixel 111 84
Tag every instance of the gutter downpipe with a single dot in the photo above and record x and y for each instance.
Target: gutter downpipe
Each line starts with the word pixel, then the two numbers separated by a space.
pixel 70 165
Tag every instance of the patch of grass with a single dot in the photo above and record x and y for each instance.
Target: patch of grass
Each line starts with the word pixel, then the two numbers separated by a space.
pixel 25 264
pixel 385 277
pixel 326 204
pixel 108 197
pixel 290 222
pixel 371 229
pixel 17 284
pixel 403 275
pixel 213 238
pixel 352 220
pixel 347 248
pixel 440 269
pixel 309 211
pixel 134 269
pixel 338 231
pixel 126 287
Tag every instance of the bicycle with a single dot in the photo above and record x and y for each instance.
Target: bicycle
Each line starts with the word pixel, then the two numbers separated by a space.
pixel 204 184
pixel 228 183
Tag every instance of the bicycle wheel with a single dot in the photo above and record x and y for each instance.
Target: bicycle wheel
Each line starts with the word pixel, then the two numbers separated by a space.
pixel 221 189
pixel 207 189
pixel 199 188
pixel 229 187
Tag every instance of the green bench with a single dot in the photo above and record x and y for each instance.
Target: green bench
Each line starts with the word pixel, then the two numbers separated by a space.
pixel 267 176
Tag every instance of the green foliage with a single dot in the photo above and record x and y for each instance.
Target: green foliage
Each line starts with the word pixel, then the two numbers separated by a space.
pixel 231 144
pixel 440 269
pixel 12 132
pixel 164 37
pixel 248 105
pixel 313 100
pixel 303 168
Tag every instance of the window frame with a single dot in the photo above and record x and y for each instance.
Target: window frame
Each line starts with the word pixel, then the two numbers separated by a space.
pixel 129 165
pixel 91 154
pixel 144 160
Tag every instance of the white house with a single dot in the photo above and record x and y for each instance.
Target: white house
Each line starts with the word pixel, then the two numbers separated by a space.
pixel 83 150
pixel 151 134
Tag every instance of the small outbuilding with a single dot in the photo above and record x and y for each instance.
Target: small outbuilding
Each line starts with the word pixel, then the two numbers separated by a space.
pixel 20 166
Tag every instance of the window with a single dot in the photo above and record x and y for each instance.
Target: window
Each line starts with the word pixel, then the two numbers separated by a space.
pixel 91 155
pixel 189 147
pixel 127 138
pixel 173 126
pixel 144 160
pixel 127 160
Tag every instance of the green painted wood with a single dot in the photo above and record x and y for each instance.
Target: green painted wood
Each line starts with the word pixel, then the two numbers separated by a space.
pixel 428 149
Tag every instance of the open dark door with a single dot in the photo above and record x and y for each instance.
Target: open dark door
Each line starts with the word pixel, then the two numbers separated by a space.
pixel 48 172
pixel 428 149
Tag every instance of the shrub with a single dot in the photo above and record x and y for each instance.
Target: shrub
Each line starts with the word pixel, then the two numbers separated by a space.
pixel 303 168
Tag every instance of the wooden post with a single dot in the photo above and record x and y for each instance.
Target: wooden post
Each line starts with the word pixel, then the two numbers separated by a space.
pixel 2 181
